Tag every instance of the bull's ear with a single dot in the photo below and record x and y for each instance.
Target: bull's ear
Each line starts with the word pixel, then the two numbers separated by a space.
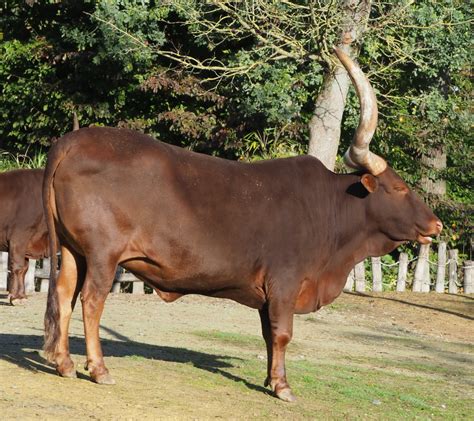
pixel 370 182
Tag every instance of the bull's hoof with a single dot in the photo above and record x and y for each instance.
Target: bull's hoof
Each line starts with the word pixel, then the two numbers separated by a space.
pixel 65 368
pixel 17 301
pixel 285 395
pixel 280 389
pixel 68 374
pixel 104 378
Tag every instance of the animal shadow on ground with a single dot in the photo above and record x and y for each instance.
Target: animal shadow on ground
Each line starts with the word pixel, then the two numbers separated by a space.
pixel 24 351
pixel 398 300
pixel 4 296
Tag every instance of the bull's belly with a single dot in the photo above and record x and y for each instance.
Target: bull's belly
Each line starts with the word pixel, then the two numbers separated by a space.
pixel 34 248
pixel 171 284
pixel 38 248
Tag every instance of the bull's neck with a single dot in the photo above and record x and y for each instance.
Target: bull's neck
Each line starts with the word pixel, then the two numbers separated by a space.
pixel 355 236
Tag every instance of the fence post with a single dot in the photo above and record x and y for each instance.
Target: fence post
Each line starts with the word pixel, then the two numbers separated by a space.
pixel 376 274
pixel 419 278
pixel 426 284
pixel 46 267
pixel 468 278
pixel 30 276
pixel 441 272
pixel 453 271
pixel 116 285
pixel 349 283
pixel 44 286
pixel 359 272
pixel 43 275
pixel 402 272
pixel 138 287
pixel 3 270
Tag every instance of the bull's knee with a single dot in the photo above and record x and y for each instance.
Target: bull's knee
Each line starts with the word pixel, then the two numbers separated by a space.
pixel 282 339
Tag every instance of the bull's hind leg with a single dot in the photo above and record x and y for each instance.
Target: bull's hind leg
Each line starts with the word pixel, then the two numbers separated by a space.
pixel 277 329
pixel 267 336
pixel 97 286
pixel 69 283
pixel 17 267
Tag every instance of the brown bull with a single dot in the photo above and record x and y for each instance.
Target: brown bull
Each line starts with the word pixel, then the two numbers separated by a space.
pixel 23 231
pixel 279 236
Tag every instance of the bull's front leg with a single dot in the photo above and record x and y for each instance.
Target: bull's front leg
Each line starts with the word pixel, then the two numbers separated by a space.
pixel 17 268
pixel 277 330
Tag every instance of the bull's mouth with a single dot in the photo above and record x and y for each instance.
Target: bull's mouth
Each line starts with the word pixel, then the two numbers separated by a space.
pixel 424 239
pixel 435 229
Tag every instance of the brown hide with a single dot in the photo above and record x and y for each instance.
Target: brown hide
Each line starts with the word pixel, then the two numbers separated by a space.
pixel 23 232
pixel 280 236
pixel 190 223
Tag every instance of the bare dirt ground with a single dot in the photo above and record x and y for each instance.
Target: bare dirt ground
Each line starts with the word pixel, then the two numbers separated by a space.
pixel 384 356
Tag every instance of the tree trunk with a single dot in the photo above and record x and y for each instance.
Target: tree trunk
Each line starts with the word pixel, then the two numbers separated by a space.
pixel 325 125
pixel 435 160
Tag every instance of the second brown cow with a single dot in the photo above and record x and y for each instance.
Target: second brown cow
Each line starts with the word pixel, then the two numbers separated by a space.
pixel 23 231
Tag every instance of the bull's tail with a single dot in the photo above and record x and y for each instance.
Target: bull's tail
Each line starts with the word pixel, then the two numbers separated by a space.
pixel 51 317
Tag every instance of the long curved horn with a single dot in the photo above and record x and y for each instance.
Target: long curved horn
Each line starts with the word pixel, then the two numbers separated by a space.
pixel 358 155
pixel 75 124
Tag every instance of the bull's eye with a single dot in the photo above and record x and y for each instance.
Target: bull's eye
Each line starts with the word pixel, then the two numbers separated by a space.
pixel 400 188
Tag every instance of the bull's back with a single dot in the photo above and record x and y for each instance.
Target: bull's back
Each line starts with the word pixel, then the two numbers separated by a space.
pixel 18 188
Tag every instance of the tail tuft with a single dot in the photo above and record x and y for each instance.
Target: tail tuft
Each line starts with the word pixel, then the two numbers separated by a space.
pixel 52 316
pixel 51 327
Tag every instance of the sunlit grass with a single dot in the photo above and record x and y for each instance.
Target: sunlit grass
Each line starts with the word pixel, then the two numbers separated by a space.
pixel 231 338
pixel 10 161
pixel 380 388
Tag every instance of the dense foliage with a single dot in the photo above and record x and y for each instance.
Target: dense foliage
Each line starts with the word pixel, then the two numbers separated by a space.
pixel 222 89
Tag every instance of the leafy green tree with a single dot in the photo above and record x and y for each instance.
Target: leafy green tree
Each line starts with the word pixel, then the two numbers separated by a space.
pixel 241 79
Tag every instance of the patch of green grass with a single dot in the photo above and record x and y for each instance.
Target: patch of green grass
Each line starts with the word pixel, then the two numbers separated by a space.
pixel 9 161
pixel 370 393
pixel 376 390
pixel 336 306
pixel 312 319
pixel 136 358
pixel 415 366
pixel 414 401
pixel 231 338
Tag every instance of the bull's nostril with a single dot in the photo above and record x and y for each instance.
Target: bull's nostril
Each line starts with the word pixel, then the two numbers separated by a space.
pixel 439 225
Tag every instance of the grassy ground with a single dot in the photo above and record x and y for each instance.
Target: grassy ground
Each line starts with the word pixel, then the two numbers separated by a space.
pixel 387 356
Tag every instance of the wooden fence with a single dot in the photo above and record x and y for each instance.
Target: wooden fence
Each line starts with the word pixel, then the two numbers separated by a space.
pixel 441 275
pixel 450 276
